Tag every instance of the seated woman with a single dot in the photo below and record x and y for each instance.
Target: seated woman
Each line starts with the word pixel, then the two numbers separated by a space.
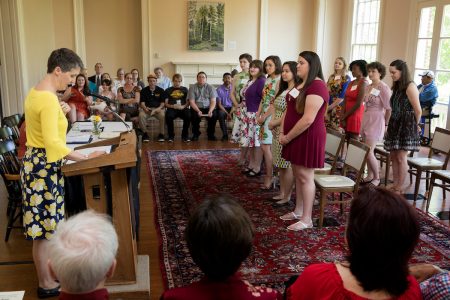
pixel 129 96
pixel 78 100
pixel 99 106
pixel 382 232
pixel 219 236
pixel 137 79
pixel 103 77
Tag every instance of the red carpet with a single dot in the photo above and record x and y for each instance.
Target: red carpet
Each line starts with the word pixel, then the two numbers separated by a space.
pixel 184 178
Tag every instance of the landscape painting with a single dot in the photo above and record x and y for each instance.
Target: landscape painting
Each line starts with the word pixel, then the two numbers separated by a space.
pixel 206 25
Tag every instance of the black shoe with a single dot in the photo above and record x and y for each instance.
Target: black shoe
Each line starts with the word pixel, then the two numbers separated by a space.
pixel 253 173
pixel 225 138
pixel 145 138
pixel 160 137
pixel 212 138
pixel 194 138
pixel 276 205
pixel 170 140
pixel 186 139
pixel 47 293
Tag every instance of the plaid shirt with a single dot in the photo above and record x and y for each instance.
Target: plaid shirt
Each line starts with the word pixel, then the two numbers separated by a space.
pixel 437 287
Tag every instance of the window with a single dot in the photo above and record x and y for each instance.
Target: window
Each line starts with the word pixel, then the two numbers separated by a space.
pixel 366 16
pixel 433 53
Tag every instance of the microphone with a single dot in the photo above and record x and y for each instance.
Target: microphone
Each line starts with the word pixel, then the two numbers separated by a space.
pixel 108 102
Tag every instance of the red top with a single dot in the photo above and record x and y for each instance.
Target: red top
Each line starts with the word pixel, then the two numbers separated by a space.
pixel 101 294
pixel 322 281
pixel 232 288
pixel 353 122
pixel 78 99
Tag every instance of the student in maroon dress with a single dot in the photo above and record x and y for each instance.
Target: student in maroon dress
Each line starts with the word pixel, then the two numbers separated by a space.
pixel 353 100
pixel 303 135
pixel 219 236
pixel 382 232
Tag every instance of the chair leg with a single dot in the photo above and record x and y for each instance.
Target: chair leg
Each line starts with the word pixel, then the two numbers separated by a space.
pixel 386 175
pixel 427 181
pixel 323 199
pixel 11 218
pixel 430 193
pixel 416 189
pixel 410 175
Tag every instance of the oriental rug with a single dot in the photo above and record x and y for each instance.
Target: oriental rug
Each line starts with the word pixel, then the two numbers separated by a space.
pixel 182 179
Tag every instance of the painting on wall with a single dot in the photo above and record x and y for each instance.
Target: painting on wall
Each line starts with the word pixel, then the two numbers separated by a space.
pixel 206 25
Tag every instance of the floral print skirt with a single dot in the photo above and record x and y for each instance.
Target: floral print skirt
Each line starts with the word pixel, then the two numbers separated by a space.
pixel 250 131
pixel 239 116
pixel 43 194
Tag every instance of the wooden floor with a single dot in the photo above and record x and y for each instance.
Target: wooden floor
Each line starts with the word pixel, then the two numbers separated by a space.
pixel 16 266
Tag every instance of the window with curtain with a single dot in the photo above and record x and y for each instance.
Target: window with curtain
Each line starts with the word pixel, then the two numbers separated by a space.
pixel 366 18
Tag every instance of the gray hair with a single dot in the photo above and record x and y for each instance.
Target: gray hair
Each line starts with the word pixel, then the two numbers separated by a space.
pixel 82 251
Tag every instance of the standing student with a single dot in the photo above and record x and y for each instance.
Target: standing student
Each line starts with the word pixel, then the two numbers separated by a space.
pixel 403 132
pixel 41 177
pixel 303 135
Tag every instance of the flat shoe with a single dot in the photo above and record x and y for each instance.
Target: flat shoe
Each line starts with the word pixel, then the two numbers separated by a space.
pixel 276 204
pixel 299 226
pixel 253 173
pixel 362 182
pixel 290 216
pixel 48 293
pixel 246 171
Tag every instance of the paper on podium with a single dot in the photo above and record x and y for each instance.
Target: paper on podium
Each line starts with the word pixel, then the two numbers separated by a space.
pixel 12 295
pixel 108 135
pixel 88 151
pixel 78 138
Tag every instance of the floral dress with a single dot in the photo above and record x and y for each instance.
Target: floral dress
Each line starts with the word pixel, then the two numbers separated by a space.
pixel 280 108
pixel 241 80
pixel 265 135
pixel 336 87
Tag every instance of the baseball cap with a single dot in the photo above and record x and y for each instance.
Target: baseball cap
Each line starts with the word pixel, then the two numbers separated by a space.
pixel 427 73
pixel 151 75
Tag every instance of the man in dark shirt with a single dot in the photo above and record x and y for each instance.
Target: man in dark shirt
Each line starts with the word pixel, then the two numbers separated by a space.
pixel 177 107
pixel 152 105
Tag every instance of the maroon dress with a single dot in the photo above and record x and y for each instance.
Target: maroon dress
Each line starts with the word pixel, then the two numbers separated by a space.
pixel 308 148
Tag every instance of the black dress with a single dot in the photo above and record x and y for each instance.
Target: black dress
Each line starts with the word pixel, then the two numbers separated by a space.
pixel 402 132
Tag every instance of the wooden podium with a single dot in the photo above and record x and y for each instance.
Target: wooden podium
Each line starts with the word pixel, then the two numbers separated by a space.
pixel 105 177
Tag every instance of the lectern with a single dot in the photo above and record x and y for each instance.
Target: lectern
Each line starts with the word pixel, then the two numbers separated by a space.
pixel 107 190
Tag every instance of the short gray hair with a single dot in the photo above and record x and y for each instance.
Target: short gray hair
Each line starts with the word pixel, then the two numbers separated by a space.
pixel 82 251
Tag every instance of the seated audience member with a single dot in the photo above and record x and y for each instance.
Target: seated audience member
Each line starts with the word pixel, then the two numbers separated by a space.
pixel 224 104
pixel 152 105
pixel 105 76
pixel 177 107
pixel 162 81
pixel 428 92
pixel 137 79
pixel 82 255
pixel 219 236
pixel 78 99
pixel 99 106
pixel 97 78
pixel 202 98
pixel 91 85
pixel 129 96
pixel 382 232
pixel 436 287
pixel 119 81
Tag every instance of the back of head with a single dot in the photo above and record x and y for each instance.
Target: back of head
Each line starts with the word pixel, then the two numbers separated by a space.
pixel 219 236
pixel 64 58
pixel 82 251
pixel 381 234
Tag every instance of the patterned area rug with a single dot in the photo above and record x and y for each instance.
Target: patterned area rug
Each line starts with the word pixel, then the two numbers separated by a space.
pixel 182 179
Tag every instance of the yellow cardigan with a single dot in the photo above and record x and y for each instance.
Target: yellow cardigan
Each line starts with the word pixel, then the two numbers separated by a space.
pixel 46 124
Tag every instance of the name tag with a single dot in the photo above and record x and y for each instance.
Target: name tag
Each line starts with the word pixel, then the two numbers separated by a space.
pixel 337 77
pixel 294 93
pixel 178 102
pixel 353 87
pixel 375 92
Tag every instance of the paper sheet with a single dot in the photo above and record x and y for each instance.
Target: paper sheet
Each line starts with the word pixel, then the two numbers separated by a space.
pixel 88 151
pixel 12 295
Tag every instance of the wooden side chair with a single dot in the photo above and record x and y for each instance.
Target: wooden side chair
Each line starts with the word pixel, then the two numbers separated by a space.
pixel 13 122
pixel 356 161
pixel 6 133
pixel 417 165
pixel 10 172
pixel 444 177
pixel 383 156
pixel 333 146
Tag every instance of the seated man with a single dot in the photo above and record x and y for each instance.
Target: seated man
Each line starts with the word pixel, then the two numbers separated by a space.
pixel 428 92
pixel 177 107
pixel 202 98
pixel 224 104
pixel 162 81
pixel 152 105
pixel 219 236
pixel 83 255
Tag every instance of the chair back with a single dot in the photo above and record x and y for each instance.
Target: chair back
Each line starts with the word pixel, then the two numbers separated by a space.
pixel 441 141
pixel 333 145
pixel 13 122
pixel 10 169
pixel 6 133
pixel 357 153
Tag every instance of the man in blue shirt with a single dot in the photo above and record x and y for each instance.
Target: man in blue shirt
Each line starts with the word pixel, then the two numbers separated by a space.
pixel 428 92
pixel 224 104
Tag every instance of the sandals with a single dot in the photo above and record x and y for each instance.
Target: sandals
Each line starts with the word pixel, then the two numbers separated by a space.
pixel 363 181
pixel 299 226
pixel 246 170
pixel 290 216
pixel 253 173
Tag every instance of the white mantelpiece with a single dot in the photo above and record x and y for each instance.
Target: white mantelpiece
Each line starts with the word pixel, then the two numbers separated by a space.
pixel 214 71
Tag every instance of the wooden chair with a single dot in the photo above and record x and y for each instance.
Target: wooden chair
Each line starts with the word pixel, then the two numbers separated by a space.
pixel 333 146
pixel 417 165
pixel 383 156
pixel 13 122
pixel 6 133
pixel 444 177
pixel 356 160
pixel 10 172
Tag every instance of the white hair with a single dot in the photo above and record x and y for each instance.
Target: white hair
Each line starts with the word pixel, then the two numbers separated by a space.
pixel 82 251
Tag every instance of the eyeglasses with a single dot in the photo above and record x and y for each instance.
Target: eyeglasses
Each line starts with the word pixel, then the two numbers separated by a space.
pixel 129 78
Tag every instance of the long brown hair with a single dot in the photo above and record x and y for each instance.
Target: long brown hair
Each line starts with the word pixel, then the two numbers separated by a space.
pixel 258 64
pixel 284 84
pixel 315 70
pixel 405 78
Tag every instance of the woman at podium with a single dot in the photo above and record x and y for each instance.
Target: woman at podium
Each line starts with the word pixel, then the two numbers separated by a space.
pixel 42 180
